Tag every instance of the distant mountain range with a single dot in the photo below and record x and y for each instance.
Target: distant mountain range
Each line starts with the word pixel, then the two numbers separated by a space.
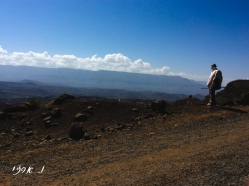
pixel 11 92
pixel 102 80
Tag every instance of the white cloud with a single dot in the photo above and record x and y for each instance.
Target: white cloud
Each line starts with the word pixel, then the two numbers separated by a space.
pixel 2 51
pixel 112 62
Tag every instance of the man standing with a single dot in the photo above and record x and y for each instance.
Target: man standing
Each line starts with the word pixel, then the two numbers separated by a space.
pixel 214 83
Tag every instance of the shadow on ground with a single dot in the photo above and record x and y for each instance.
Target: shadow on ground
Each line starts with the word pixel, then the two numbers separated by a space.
pixel 232 109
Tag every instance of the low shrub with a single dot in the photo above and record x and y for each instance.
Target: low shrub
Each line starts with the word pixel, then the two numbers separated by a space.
pixel 35 103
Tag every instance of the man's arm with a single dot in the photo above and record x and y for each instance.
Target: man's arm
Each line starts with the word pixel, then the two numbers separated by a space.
pixel 210 83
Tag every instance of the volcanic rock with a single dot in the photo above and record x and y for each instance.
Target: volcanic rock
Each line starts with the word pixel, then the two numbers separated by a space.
pixel 18 107
pixel 87 136
pixel 29 133
pixel 48 137
pixel 135 110
pixel 47 124
pixel 43 115
pixel 80 117
pixel 76 131
pixel 245 99
pixel 47 118
pixel 236 91
pixel 158 105
pixel 56 112
pixel 62 98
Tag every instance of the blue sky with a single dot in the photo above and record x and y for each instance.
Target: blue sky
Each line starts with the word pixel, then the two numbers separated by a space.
pixel 173 37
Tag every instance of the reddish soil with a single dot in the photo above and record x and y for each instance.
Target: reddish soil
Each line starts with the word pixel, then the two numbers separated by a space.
pixel 188 144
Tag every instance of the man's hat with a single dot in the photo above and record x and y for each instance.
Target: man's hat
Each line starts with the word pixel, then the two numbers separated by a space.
pixel 213 65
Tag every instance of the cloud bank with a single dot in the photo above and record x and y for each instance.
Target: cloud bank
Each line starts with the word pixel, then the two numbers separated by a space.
pixel 111 62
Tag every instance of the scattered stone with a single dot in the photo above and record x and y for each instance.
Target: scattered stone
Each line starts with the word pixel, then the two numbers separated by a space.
pixel 29 133
pixel 12 130
pixel 158 105
pixel 110 129
pixel 102 129
pixel 149 116
pixel 139 118
pixel 80 117
pixel 62 138
pixel 135 110
pixel 47 118
pixel 220 118
pixel 56 112
pixel 54 124
pixel 30 122
pixel 99 135
pixel 16 135
pixel 87 136
pixel 120 127
pixel 90 107
pixel 95 137
pixel 151 133
pixel 76 131
pixel 44 115
pixel 28 129
pixel 47 124
pixel 18 107
pixel 48 137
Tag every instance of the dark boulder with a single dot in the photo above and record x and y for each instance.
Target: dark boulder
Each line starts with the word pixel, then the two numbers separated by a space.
pixel 62 98
pixel 76 131
pixel 230 103
pixel 245 99
pixel 158 105
pixel 18 107
pixel 56 113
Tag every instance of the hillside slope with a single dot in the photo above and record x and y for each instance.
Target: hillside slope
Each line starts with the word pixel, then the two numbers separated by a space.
pixel 127 143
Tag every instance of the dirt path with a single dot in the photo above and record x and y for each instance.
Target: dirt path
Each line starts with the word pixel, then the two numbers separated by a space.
pixel 208 150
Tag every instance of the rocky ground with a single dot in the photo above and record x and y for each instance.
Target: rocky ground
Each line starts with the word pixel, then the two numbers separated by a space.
pixel 126 143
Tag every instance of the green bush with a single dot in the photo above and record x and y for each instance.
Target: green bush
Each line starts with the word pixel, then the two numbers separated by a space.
pixel 35 103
